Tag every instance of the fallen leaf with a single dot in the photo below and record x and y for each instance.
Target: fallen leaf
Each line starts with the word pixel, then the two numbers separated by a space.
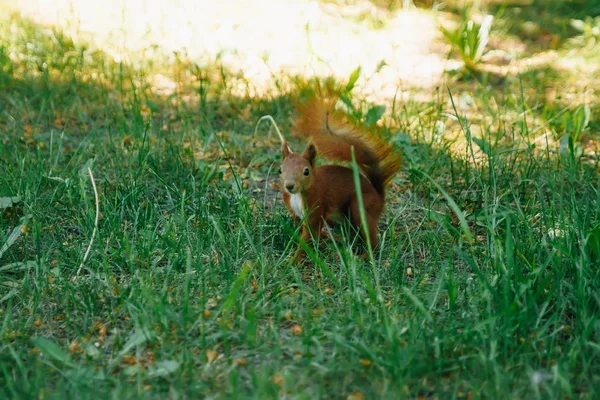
pixel 355 396
pixel 129 359
pixel 150 357
pixel 240 361
pixel 58 122
pixel 296 329
pixel 74 346
pixel 277 379
pixel 127 141
pixel 211 355
pixel 366 362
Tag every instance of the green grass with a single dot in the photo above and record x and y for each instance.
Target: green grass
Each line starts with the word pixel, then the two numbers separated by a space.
pixel 188 291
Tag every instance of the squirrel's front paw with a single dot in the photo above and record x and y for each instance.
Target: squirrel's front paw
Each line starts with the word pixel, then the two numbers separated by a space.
pixel 298 257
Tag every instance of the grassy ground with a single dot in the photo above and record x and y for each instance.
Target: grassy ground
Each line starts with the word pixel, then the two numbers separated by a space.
pixel 486 284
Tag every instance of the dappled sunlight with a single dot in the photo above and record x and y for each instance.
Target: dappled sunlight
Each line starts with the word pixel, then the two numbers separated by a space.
pixel 401 53
pixel 266 47
pixel 262 39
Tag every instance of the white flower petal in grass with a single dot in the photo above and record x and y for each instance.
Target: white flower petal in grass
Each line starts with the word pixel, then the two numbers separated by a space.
pixel 540 376
pixel 555 233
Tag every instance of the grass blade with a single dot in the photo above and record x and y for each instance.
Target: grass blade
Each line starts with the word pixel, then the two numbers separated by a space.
pixel 457 211
pixel 6 202
pixel 52 350
pixel 12 238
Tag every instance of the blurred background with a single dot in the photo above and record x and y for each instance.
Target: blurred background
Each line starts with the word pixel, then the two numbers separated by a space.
pixel 395 42
pixel 397 50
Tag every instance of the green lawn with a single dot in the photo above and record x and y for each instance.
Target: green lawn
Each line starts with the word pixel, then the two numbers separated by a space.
pixel 486 284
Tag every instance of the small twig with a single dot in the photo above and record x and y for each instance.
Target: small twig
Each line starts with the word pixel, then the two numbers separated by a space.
pixel 87 252
pixel 268 117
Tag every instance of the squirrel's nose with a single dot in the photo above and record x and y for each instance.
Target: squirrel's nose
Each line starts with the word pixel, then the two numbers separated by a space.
pixel 289 186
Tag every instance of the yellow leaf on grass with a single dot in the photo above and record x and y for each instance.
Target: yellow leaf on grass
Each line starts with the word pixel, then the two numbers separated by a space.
pixel 74 346
pixel 59 122
pixel 366 362
pixel 211 355
pixel 296 329
pixel 103 330
pixel 127 141
pixel 129 359
pixel 278 379
pixel 355 396
pixel 240 361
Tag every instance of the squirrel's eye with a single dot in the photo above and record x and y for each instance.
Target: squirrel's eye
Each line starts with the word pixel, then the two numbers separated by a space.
pixel 279 171
pixel 306 171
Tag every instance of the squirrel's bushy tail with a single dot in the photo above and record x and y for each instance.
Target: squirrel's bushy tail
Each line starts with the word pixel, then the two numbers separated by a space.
pixel 334 135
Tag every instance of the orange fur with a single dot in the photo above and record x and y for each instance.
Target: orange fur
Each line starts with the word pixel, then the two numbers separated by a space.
pixel 327 192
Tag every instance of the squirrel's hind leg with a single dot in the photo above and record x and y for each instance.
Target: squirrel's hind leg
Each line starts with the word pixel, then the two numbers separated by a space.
pixel 327 231
pixel 372 224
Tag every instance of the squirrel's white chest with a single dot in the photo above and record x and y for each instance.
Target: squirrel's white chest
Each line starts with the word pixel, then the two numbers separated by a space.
pixel 297 204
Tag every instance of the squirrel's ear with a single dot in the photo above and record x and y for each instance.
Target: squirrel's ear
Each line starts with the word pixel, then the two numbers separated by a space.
pixel 311 154
pixel 285 149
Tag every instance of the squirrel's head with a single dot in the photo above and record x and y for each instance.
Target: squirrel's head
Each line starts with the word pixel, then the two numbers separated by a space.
pixel 297 170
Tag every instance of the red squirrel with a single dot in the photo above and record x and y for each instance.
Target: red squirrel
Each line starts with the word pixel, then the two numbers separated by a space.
pixel 327 193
